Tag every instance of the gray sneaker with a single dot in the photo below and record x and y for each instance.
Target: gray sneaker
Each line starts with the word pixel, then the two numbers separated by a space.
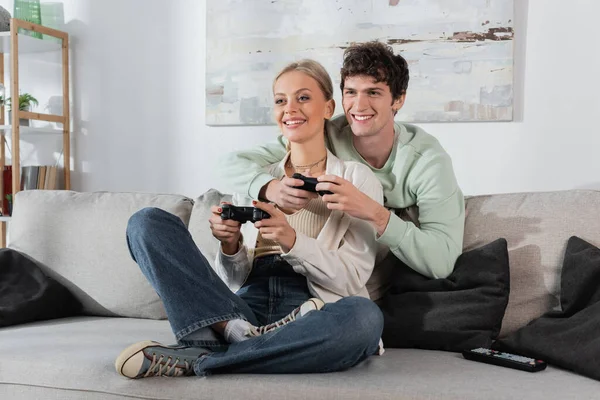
pixel 146 359
pixel 309 305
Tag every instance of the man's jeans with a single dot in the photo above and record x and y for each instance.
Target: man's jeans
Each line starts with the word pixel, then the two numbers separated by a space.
pixel 337 337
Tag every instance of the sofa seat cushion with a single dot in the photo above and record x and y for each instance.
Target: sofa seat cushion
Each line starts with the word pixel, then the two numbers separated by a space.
pixel 537 227
pixel 74 358
pixel 80 240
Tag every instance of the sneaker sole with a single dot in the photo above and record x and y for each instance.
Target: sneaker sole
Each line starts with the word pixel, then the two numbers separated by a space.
pixel 130 352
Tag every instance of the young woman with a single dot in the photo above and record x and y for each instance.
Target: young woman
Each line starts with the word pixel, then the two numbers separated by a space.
pixel 300 303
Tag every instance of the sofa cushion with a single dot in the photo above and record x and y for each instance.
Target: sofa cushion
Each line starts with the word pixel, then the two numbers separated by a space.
pixel 568 337
pixel 79 238
pixel 27 294
pixel 74 359
pixel 461 312
pixel 536 227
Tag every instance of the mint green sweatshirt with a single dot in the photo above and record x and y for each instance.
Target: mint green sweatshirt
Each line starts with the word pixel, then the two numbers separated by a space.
pixel 418 173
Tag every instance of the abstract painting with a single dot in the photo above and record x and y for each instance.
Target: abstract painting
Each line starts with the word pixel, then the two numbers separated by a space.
pixel 459 52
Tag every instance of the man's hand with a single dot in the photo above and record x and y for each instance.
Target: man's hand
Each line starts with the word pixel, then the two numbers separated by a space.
pixel 275 228
pixel 286 196
pixel 226 231
pixel 347 198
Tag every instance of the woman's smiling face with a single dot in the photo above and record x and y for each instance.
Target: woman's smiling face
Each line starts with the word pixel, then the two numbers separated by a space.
pixel 300 106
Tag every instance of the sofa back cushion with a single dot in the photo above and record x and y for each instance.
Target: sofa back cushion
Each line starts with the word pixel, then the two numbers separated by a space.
pixel 537 227
pixel 80 240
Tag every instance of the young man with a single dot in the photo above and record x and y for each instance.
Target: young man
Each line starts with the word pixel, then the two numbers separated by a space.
pixel 422 221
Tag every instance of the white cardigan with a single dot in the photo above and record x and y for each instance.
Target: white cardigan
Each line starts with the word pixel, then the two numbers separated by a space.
pixel 339 261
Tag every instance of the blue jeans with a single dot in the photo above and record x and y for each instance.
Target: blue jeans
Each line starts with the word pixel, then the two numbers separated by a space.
pixel 337 337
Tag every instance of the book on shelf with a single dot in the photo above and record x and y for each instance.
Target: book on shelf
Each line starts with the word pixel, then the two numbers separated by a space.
pixel 32 177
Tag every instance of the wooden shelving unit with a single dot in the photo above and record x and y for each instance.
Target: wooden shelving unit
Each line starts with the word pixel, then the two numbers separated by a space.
pixel 14 43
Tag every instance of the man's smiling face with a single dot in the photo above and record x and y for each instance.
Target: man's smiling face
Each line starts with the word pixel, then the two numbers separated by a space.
pixel 368 105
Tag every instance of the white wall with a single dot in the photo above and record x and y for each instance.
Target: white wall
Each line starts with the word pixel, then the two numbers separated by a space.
pixel 138 94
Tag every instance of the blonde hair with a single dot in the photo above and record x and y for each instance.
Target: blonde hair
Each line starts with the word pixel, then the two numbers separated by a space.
pixel 313 69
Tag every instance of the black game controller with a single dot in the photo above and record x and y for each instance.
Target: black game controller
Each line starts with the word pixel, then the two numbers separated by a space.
pixel 310 184
pixel 243 214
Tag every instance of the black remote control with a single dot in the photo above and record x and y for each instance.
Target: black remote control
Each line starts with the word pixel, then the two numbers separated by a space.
pixel 310 184
pixel 509 360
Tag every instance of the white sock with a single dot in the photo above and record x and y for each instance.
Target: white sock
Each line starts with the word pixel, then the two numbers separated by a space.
pixel 237 330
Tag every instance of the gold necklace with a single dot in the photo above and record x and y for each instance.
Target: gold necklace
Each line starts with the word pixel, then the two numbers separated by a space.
pixel 305 167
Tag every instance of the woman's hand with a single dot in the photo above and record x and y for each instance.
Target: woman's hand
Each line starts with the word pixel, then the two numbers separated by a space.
pixel 226 231
pixel 275 228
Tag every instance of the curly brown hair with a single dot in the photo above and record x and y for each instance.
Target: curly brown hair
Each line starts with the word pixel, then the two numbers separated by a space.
pixel 377 60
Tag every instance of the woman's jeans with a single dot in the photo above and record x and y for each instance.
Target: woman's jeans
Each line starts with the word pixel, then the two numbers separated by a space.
pixel 337 337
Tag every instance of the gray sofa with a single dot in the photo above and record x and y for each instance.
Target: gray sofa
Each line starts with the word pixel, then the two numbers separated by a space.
pixel 79 237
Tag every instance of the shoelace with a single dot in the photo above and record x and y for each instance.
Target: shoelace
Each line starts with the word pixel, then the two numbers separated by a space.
pixel 157 368
pixel 261 330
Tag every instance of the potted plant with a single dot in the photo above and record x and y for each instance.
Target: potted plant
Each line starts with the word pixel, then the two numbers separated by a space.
pixel 25 102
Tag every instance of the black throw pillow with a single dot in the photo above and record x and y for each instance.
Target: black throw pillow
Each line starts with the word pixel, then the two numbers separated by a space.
pixel 461 312
pixel 569 338
pixel 27 294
